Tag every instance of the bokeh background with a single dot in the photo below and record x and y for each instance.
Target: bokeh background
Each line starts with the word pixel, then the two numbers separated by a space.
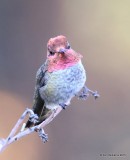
pixel 100 30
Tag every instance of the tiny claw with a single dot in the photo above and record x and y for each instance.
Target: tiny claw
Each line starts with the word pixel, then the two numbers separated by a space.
pixel 84 93
pixel 43 135
pixel 96 95
pixel 83 96
pixel 33 118
pixel 64 106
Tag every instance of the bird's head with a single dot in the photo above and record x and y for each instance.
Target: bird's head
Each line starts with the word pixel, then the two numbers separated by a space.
pixel 60 55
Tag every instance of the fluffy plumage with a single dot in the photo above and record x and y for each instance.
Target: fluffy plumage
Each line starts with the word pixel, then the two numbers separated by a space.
pixel 59 79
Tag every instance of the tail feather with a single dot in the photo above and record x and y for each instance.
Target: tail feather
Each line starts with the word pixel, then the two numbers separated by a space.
pixel 44 115
pixel 29 124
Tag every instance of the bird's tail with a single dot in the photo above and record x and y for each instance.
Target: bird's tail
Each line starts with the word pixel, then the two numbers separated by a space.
pixel 29 124
pixel 45 113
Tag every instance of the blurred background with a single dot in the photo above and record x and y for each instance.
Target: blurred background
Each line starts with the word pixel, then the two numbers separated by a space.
pixel 100 30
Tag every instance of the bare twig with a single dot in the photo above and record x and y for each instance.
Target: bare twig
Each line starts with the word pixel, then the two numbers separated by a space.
pixel 16 133
pixel 38 128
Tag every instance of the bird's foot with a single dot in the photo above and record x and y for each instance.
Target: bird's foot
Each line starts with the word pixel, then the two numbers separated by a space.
pixel 42 135
pixel 94 93
pixel 33 118
pixel 86 92
pixel 63 105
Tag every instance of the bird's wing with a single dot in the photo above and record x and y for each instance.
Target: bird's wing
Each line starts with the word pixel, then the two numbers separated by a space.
pixel 38 102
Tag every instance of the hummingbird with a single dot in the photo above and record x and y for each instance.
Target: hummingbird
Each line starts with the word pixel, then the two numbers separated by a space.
pixel 58 80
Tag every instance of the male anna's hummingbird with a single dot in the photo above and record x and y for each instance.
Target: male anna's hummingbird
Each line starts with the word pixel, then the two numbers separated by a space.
pixel 58 80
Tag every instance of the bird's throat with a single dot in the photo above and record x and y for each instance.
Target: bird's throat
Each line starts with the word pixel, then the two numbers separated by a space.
pixel 62 64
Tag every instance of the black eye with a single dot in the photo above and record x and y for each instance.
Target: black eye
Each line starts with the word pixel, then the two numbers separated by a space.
pixel 51 53
pixel 68 47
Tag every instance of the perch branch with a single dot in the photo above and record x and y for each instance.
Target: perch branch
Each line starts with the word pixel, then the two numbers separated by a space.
pixel 16 133
pixel 38 128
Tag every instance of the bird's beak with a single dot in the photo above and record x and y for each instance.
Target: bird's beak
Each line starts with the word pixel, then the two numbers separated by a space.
pixel 62 50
